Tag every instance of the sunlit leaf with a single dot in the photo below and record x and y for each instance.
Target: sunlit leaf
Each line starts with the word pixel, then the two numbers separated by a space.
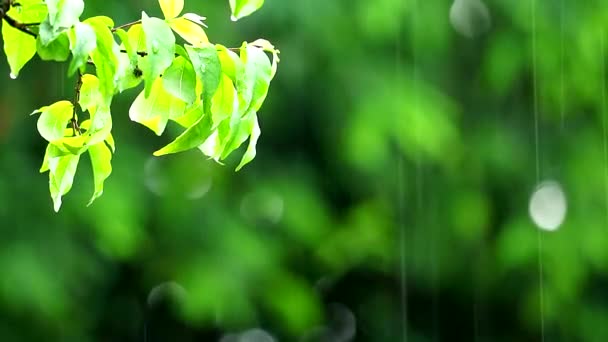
pixel 101 162
pixel 83 41
pixel 192 137
pixel 243 8
pixel 180 80
pixel 54 119
pixel 100 126
pixel 254 80
pixel 160 46
pixel 137 38
pixel 128 74
pixel 231 62
pixel 89 92
pixel 208 69
pixel 171 8
pixel 223 103
pixel 253 140
pixel 64 13
pixel 19 47
pixel 61 175
pixel 195 18
pixel 240 130
pixel 154 111
pixel 57 50
pixel 104 57
pixel 189 31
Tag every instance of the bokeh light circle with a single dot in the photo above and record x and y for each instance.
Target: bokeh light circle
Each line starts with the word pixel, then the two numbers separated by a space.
pixel 548 206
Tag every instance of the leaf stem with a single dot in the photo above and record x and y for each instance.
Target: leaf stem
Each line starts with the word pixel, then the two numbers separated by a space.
pixel 127 25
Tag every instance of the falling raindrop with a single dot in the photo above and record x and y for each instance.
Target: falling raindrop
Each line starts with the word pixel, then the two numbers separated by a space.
pixel 470 18
pixel 548 206
pixel 12 76
pixel 155 47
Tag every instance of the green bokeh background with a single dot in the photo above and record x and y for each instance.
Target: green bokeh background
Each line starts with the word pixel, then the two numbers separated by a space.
pixel 389 196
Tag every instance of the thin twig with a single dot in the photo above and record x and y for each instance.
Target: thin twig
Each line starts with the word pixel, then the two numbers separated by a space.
pixel 19 26
pixel 75 127
pixel 126 25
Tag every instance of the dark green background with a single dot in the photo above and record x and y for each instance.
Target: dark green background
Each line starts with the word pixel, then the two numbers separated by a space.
pixel 392 182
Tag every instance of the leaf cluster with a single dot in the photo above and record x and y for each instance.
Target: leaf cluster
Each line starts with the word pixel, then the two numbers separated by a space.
pixel 213 92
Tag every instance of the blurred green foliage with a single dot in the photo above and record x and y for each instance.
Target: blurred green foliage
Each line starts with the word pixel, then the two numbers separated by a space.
pixel 393 177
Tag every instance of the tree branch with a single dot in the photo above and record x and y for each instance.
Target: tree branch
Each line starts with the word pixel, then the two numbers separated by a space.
pixel 19 26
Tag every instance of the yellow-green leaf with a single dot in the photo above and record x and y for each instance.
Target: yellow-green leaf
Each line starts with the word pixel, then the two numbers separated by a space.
pixel 61 176
pixel 18 47
pixel 101 161
pixel 243 8
pixel 171 8
pixel 189 31
pixel 224 102
pixel 160 46
pixel 54 119
pixel 253 140
pixel 155 110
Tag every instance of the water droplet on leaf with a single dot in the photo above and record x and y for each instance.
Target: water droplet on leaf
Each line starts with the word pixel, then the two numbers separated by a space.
pixel 13 76
pixel 155 47
pixel 233 18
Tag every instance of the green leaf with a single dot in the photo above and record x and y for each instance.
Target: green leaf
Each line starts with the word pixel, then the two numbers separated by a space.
pixel 192 137
pixel 208 69
pixel 89 92
pixel 18 47
pixel 223 103
pixel 137 38
pixel 171 8
pixel 61 176
pixel 100 126
pixel 154 111
pixel 83 41
pixel 189 117
pixel 64 13
pixel 160 46
pixel 254 80
pixel 52 151
pixel 180 80
pixel 128 75
pixel 29 11
pixel 46 32
pixel 191 32
pixel 243 8
pixel 240 130
pixel 104 57
pixel 253 140
pixel 231 62
pixel 54 119
pixel 101 161
pixel 73 145
pixel 57 50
